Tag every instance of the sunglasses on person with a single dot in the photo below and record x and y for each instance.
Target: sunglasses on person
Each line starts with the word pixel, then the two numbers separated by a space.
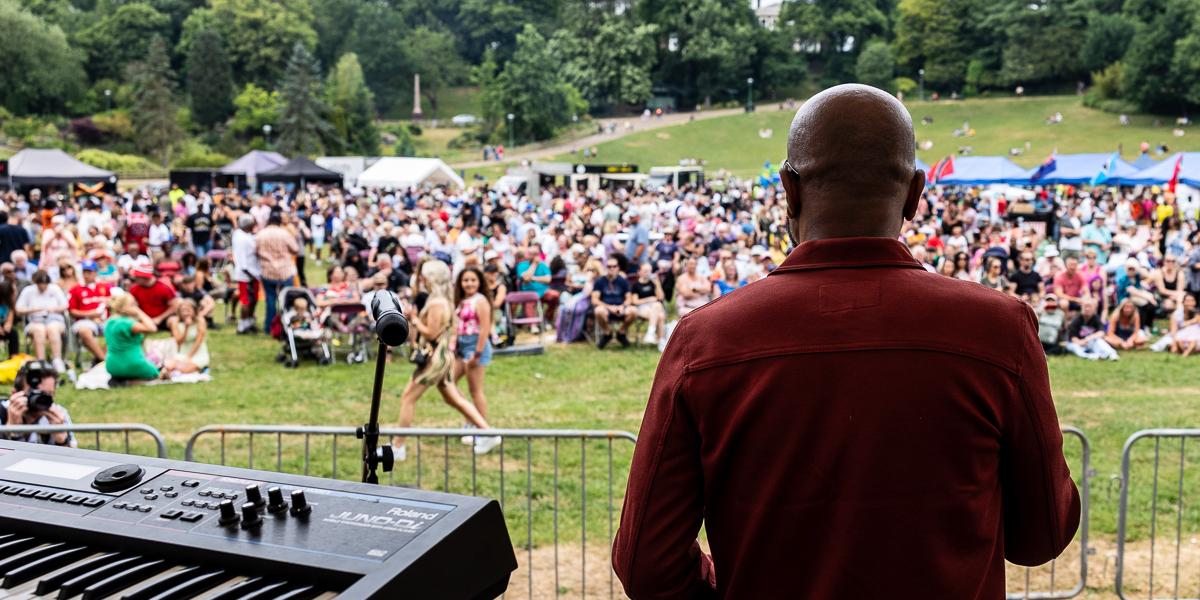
pixel 614 266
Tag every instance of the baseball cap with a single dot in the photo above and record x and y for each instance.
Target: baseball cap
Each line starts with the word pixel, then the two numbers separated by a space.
pixel 89 265
pixel 142 271
pixel 1051 251
pixel 491 255
pixel 1052 299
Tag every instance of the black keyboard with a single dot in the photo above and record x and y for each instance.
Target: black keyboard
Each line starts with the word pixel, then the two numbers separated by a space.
pixel 84 524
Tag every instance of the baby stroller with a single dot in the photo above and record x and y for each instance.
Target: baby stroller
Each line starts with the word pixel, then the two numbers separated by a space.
pixel 351 331
pixel 299 343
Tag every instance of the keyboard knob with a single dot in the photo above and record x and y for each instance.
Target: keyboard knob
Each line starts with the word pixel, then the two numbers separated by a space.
pixel 254 495
pixel 250 517
pixel 300 505
pixel 275 501
pixel 229 514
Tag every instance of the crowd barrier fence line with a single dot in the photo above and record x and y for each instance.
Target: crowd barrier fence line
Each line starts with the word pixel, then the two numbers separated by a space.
pixel 1172 586
pixel 96 429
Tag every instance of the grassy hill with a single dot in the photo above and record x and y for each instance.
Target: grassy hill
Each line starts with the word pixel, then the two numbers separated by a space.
pixel 742 143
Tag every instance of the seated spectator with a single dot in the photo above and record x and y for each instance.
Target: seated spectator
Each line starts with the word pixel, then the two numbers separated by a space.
pixel 1024 282
pixel 573 304
pixel 44 306
pixel 1170 284
pixel 125 331
pixel 648 303
pixel 106 271
pixel 993 277
pixel 8 316
pixel 36 376
pixel 1125 327
pixel 1050 325
pixel 729 280
pixel 189 290
pixel 66 276
pixel 1185 327
pixel 1086 334
pixel 1070 285
pixel 190 332
pixel 1130 283
pixel 610 296
pixel 383 265
pixel 23 267
pixel 533 275
pixel 303 323
pixel 155 298
pixel 691 290
pixel 89 307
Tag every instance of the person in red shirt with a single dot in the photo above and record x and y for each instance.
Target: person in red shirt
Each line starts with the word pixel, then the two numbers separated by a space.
pixel 154 297
pixel 851 425
pixel 1071 286
pixel 89 308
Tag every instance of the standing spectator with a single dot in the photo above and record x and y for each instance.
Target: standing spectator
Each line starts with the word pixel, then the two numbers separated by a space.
pixel 1050 325
pixel 58 244
pixel 1086 334
pixel 637 248
pixel 8 316
pixel 277 251
pixel 44 306
pixel 1097 236
pixel 200 224
pixel 89 307
pixel 473 350
pixel 154 297
pixel 246 272
pixel 12 238
pixel 610 296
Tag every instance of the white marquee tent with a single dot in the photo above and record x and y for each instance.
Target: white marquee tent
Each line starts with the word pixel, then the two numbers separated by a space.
pixel 405 172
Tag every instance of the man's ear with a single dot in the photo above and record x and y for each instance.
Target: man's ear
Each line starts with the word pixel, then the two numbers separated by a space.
pixel 791 189
pixel 913 198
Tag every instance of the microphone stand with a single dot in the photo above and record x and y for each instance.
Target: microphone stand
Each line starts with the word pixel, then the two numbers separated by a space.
pixel 374 455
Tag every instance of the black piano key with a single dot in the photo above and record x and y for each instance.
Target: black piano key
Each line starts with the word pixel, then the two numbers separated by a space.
pixel 76 585
pixel 17 544
pixel 39 567
pixel 123 579
pixel 240 590
pixel 16 560
pixel 271 590
pixel 301 592
pixel 190 588
pixel 165 582
pixel 55 581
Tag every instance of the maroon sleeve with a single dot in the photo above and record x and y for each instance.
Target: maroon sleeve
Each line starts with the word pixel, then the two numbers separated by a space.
pixel 1041 503
pixel 655 553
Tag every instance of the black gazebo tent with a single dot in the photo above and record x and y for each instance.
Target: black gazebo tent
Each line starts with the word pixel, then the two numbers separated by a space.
pixel 301 170
pixel 34 167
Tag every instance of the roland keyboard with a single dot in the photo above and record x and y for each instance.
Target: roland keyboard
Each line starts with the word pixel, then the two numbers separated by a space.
pixel 84 524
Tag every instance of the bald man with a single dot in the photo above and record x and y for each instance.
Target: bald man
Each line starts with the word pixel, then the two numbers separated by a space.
pixel 851 426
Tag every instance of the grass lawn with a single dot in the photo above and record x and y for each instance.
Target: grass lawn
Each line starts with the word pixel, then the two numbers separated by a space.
pixel 736 143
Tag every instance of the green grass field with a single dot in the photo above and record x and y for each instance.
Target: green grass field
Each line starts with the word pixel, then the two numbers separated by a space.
pixel 737 143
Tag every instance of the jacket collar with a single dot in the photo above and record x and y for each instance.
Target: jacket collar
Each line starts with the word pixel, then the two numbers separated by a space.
pixel 848 253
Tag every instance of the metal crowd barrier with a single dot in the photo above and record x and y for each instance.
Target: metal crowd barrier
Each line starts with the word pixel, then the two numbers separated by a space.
pixel 1150 568
pixel 1042 582
pixel 561 479
pixel 95 429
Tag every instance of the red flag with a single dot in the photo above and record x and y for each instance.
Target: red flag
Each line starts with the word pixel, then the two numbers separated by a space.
pixel 1175 176
pixel 945 168
pixel 931 176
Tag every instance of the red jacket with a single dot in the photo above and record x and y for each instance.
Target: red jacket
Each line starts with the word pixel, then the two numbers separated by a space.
pixel 851 426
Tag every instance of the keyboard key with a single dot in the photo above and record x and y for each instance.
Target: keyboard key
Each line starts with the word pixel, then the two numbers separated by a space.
pixel 191 517
pixel 171 514
pixel 13 490
pixel 60 497
pixel 76 499
pixel 123 579
pixel 55 581
pixel 93 502
pixel 27 493
pixel 39 567
pixel 44 495
pixel 187 502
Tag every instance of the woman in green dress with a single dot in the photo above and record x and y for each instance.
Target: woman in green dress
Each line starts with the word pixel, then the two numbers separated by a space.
pixel 126 328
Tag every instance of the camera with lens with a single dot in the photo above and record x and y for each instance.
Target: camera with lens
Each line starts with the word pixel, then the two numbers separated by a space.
pixel 29 377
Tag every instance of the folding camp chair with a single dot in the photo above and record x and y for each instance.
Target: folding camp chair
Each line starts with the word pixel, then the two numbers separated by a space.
pixel 529 304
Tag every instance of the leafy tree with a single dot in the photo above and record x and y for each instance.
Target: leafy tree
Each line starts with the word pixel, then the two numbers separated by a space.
pixel 1041 39
pixel 939 36
pixel 532 90
pixel 41 71
pixel 607 58
pixel 120 37
pixel 382 52
pixel 424 46
pixel 489 24
pixel 352 109
pixel 1106 40
pixel 333 20
pixel 254 107
pixel 153 102
pixel 303 125
pixel 837 29
pixel 260 35
pixel 876 65
pixel 209 80
pixel 705 47
pixel 780 63
pixel 1150 70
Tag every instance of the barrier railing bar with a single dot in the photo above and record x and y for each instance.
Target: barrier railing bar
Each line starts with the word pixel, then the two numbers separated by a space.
pixel 98 428
pixel 1179 514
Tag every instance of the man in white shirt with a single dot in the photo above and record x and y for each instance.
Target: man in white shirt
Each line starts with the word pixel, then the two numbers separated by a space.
pixel 246 271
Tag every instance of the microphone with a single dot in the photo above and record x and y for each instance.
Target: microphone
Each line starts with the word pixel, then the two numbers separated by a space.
pixel 390 325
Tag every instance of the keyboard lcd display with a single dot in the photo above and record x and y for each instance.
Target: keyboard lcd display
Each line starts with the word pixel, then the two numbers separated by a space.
pixel 53 468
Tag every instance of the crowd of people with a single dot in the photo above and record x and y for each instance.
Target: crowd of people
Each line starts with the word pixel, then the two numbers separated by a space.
pixel 1107 270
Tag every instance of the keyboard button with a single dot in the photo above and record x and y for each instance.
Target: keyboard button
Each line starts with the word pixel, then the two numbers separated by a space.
pixel 119 505
pixel 190 483
pixel 171 494
pixel 76 499
pixel 171 514
pixel 44 495
pixel 14 490
pixel 59 497
pixel 146 490
pixel 29 493
pixel 144 508
pixel 187 502
pixel 93 502
pixel 151 497
pixel 192 517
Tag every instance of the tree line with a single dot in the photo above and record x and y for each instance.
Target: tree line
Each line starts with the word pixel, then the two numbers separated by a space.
pixel 320 71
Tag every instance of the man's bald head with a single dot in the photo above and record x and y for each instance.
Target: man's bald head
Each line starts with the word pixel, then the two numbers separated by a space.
pixel 851 148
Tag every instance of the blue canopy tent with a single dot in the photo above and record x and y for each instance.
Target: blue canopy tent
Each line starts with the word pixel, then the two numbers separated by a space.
pixel 984 170
pixel 1144 161
pixel 1076 169
pixel 1189 171
pixel 922 166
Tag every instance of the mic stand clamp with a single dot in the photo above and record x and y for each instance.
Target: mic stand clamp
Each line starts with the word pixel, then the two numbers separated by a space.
pixel 374 455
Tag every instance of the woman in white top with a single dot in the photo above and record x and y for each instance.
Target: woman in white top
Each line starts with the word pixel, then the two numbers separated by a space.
pixel 44 306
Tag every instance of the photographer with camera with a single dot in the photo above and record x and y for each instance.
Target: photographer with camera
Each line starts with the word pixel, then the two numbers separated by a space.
pixel 32 403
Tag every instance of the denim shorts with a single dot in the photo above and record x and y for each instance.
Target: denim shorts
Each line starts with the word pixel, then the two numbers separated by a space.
pixel 466 349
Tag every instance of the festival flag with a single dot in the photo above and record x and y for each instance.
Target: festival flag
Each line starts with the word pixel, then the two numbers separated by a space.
pixel 1106 172
pixel 1175 175
pixel 942 169
pixel 931 176
pixel 1046 167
